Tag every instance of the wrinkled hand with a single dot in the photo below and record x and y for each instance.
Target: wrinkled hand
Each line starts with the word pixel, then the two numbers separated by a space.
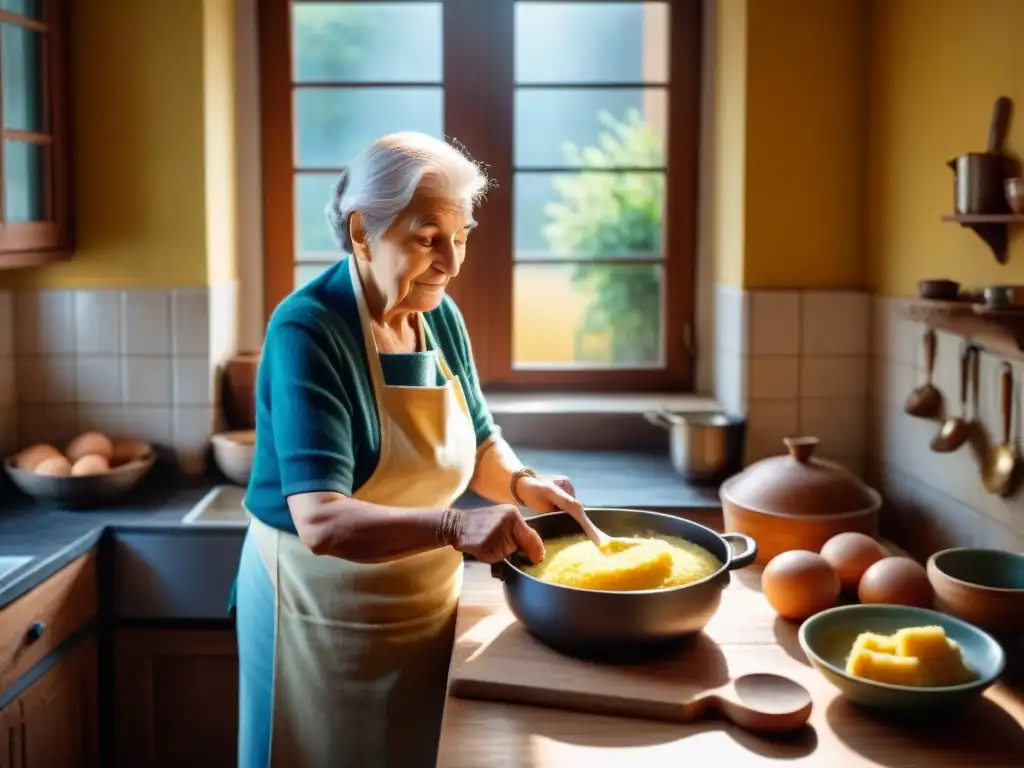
pixel 491 534
pixel 549 494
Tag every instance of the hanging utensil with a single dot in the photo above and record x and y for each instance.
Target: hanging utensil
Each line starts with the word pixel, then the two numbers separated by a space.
pixel 1001 466
pixel 956 429
pixel 925 401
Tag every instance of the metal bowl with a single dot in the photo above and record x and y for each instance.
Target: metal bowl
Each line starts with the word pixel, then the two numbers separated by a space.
pixel 585 621
pixel 82 492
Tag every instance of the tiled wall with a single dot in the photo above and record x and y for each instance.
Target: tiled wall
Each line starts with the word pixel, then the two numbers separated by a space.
pixel 140 363
pixel 934 500
pixel 796 362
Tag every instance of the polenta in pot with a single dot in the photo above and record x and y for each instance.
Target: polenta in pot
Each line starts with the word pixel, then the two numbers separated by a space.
pixel 657 562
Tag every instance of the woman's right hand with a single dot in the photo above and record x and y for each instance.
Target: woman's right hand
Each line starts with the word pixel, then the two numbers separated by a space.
pixel 490 534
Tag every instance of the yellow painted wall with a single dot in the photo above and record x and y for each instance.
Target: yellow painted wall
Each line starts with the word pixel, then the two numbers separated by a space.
pixel 787 186
pixel 220 154
pixel 805 117
pixel 137 74
pixel 937 67
pixel 728 143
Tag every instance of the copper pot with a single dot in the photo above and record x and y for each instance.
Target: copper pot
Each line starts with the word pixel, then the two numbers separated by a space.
pixel 797 501
pixel 238 390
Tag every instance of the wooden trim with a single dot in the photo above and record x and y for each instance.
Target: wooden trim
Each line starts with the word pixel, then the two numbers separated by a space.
pixel 28 137
pixel 478 72
pixel 679 276
pixel 275 68
pixel 7 17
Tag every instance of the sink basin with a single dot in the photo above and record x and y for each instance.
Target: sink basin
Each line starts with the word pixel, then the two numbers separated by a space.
pixel 222 506
pixel 11 563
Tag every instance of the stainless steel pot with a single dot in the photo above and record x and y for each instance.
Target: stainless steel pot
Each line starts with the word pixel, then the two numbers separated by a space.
pixel 705 447
pixel 583 621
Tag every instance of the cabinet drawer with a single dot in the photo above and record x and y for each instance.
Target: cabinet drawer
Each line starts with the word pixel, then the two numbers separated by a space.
pixel 37 622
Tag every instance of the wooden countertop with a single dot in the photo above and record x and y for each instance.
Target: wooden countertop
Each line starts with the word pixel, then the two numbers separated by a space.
pixel 477 734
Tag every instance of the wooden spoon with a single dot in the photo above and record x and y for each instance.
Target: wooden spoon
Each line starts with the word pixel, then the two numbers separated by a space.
pixel 925 401
pixel 956 429
pixel 607 544
pixel 1002 460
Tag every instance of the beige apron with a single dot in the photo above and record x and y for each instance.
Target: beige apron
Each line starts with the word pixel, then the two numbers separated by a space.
pixel 362 651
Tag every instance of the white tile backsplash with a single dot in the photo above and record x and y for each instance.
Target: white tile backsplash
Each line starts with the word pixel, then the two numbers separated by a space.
pixel 133 362
pixel 97 322
pixel 835 323
pixel 805 368
pixel 774 323
pixel 45 323
pixel 146 320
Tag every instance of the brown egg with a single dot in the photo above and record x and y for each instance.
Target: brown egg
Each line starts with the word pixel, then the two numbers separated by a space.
pixel 90 464
pixel 851 554
pixel 90 442
pixel 799 584
pixel 55 466
pixel 896 581
pixel 29 458
pixel 129 449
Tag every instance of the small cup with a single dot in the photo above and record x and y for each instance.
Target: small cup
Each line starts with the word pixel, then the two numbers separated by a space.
pixel 999 295
pixel 1014 188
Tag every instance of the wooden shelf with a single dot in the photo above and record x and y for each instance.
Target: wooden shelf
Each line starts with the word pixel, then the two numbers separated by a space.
pixel 993 228
pixel 1000 331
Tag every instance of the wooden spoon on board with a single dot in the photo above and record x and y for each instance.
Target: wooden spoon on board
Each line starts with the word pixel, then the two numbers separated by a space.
pixel 760 702
pixel 925 401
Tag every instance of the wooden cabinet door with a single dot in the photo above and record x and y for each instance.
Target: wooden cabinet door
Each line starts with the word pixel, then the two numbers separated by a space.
pixel 10 735
pixel 59 713
pixel 176 698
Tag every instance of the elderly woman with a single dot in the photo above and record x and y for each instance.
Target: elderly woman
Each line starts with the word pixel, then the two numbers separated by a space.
pixel 370 424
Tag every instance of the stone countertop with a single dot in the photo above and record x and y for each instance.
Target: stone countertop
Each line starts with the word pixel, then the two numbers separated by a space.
pixel 54 537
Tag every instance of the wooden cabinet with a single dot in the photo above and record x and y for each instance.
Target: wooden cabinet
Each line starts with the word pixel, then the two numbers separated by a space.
pixel 54 721
pixel 35 183
pixel 176 698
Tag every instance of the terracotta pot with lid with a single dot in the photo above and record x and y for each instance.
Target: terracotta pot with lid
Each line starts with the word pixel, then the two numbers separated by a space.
pixel 797 501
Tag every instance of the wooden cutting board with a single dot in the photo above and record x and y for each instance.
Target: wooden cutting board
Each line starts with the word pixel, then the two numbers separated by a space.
pixel 496 659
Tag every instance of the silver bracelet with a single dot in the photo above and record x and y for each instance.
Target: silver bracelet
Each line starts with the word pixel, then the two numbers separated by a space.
pixel 514 481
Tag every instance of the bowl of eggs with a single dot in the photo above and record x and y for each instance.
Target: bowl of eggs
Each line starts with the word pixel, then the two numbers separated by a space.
pixel 92 470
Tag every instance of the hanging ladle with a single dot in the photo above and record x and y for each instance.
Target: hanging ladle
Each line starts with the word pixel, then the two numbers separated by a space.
pixel 925 401
pixel 956 429
pixel 1001 464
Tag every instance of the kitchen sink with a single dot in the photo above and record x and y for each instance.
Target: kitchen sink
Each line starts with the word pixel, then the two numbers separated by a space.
pixel 222 506
pixel 11 563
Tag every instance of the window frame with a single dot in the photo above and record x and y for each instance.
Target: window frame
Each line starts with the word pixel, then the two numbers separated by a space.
pixel 479 92
pixel 28 243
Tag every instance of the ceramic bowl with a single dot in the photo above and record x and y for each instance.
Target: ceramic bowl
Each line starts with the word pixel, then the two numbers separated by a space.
pixel 826 639
pixel 83 492
pixel 982 586
pixel 233 453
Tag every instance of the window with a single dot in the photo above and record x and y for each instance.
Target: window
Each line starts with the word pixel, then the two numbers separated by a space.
pixel 577 277
pixel 35 191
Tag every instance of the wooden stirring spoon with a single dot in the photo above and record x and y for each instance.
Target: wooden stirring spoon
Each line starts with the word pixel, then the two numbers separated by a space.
pixel 607 544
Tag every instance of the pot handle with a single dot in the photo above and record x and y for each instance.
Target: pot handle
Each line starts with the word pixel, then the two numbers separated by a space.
pixel 662 419
pixel 498 570
pixel 745 558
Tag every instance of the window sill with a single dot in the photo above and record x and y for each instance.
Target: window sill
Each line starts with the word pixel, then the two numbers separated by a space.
pixel 579 422
pixel 568 402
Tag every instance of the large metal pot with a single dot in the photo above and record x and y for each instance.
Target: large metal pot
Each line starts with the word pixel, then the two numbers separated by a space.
pixel 706 448
pixel 595 621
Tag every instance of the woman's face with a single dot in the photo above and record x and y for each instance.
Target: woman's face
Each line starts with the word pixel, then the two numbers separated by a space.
pixel 420 252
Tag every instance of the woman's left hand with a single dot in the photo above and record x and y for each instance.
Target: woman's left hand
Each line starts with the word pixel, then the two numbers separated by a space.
pixel 548 494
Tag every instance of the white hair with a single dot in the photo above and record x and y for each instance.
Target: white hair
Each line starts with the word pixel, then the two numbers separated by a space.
pixel 382 179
